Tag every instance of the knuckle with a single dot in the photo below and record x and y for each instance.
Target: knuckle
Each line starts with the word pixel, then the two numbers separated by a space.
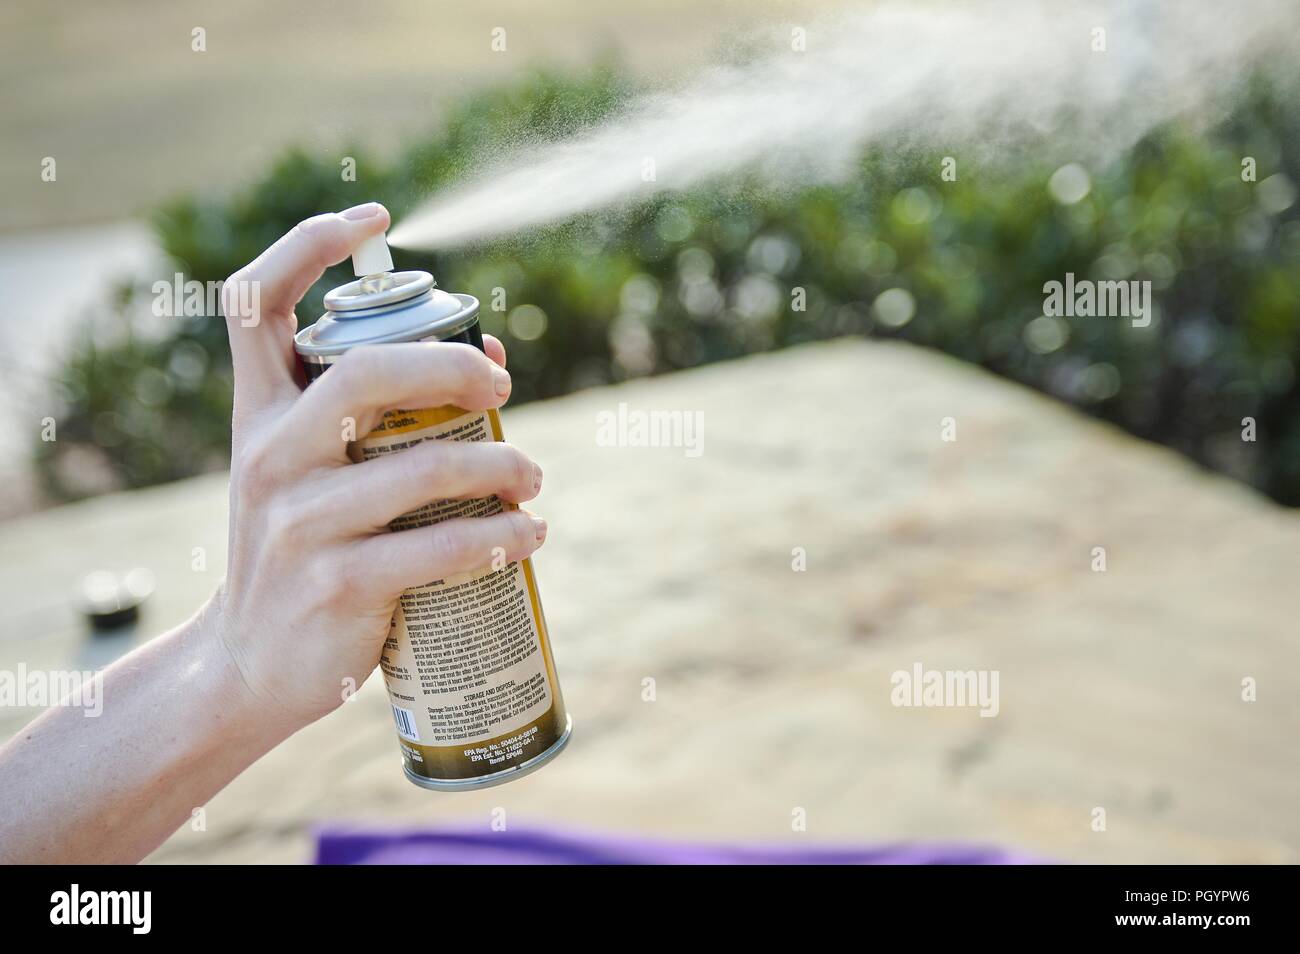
pixel 447 546
pixel 470 365
pixel 520 467
pixel 312 225
pixel 256 473
pixel 315 228
pixel 435 465
pixel 325 235
pixel 358 370
pixel 286 526
pixel 232 303
pixel 523 531
pixel 335 582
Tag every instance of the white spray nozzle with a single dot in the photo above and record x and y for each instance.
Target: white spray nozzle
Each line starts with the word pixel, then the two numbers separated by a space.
pixel 372 257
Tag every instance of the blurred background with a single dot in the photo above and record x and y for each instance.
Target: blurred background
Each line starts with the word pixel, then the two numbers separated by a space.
pixel 170 161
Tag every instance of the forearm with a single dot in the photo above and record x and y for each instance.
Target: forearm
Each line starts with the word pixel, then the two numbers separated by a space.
pixel 177 724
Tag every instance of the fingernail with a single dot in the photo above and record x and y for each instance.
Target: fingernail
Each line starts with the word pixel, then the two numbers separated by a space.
pixel 539 527
pixel 537 478
pixel 501 381
pixel 367 211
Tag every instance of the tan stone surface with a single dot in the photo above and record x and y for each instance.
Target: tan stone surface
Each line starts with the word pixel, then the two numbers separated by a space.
pixel 1119 690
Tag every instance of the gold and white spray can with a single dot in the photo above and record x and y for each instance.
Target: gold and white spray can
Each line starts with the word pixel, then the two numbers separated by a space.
pixel 467 662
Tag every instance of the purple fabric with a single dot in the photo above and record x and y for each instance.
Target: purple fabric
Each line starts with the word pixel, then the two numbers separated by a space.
pixel 342 846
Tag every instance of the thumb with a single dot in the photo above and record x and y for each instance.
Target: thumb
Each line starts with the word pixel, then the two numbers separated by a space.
pixel 259 299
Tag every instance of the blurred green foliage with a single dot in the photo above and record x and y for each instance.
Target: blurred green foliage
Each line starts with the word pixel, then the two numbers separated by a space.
pixel 716 273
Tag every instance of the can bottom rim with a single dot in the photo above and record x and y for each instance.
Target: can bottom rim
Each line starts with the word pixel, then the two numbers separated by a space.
pixel 496 778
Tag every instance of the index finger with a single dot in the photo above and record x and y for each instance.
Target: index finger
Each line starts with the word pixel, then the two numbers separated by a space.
pixel 261 322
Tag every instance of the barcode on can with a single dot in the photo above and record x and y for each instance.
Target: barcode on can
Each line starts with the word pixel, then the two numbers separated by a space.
pixel 405 720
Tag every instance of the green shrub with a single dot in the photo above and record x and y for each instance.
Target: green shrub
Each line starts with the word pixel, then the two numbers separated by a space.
pixel 712 274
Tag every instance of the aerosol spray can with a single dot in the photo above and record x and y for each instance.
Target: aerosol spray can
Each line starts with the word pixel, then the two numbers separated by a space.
pixel 468 660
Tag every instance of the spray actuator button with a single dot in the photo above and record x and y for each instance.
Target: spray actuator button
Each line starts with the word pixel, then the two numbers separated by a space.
pixel 372 256
pixel 364 295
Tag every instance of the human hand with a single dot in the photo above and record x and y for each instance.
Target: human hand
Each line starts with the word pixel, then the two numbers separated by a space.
pixel 314 575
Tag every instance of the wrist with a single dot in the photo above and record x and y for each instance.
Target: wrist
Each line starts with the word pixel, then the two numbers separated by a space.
pixel 227 681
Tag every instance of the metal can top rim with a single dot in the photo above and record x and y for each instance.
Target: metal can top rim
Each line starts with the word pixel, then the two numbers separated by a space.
pixel 434 314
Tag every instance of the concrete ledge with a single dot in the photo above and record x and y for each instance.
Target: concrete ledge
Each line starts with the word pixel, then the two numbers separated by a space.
pixel 1119 690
